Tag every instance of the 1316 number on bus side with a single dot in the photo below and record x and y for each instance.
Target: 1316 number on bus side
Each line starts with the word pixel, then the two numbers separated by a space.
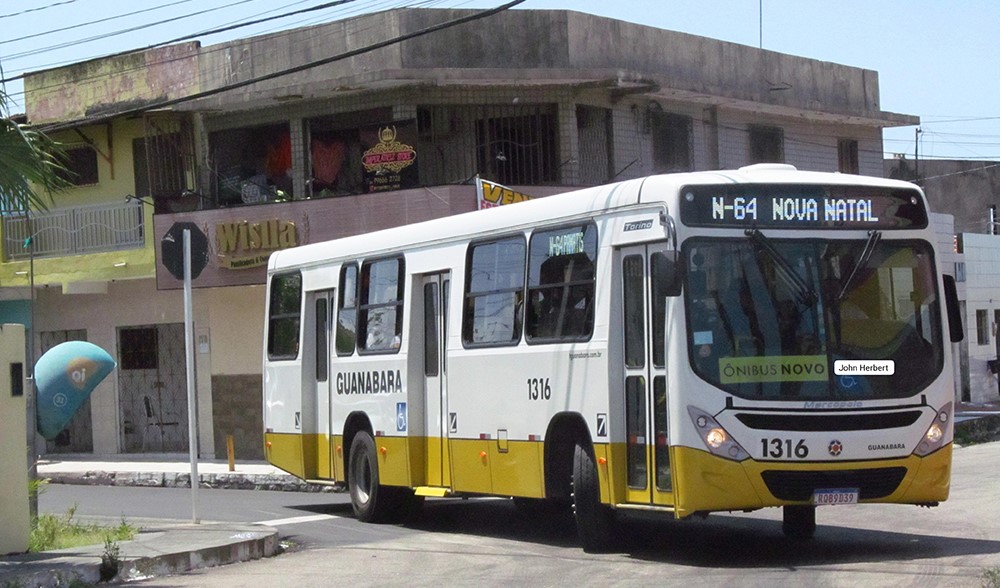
pixel 776 448
pixel 539 389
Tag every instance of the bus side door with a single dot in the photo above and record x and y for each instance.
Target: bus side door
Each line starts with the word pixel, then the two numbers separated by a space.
pixel 435 336
pixel 643 312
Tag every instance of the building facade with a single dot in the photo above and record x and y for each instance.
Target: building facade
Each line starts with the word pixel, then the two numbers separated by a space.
pixel 347 127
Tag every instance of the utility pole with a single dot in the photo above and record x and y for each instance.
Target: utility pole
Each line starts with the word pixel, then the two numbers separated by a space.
pixel 916 155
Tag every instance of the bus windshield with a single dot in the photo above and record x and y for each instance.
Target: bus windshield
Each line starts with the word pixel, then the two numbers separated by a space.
pixel 768 318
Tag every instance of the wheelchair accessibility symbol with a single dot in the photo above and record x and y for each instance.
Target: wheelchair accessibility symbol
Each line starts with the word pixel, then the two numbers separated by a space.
pixel 400 416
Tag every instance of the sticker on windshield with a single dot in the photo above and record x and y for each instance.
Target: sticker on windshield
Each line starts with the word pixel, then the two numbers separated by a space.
pixel 782 368
pixel 703 337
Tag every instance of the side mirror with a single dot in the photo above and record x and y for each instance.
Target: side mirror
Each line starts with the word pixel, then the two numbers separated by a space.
pixel 954 312
pixel 667 273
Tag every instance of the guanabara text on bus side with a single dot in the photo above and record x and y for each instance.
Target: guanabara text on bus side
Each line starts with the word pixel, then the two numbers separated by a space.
pixel 678 344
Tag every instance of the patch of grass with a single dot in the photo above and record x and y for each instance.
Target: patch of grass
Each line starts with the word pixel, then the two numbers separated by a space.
pixel 991 578
pixel 59 532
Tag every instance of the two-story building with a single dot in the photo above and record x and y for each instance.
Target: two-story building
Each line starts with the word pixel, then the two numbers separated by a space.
pixel 347 127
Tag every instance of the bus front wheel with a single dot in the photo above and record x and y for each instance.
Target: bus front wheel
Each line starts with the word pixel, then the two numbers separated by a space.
pixel 595 522
pixel 370 500
pixel 798 521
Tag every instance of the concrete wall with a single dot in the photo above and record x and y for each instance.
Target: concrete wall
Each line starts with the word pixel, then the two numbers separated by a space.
pixel 982 263
pixel 15 521
pixel 965 189
pixel 97 86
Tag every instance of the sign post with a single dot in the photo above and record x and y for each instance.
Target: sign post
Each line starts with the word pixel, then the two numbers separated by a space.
pixel 191 392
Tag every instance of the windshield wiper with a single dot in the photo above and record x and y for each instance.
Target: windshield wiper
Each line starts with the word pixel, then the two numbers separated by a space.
pixel 866 254
pixel 803 293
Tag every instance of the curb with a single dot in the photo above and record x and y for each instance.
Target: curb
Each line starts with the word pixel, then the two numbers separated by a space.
pixel 278 482
pixel 981 429
pixel 222 544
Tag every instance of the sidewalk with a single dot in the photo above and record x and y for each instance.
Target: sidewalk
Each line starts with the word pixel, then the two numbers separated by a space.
pixel 162 547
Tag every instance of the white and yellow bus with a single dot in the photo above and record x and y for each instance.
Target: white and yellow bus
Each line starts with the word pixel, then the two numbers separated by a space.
pixel 681 344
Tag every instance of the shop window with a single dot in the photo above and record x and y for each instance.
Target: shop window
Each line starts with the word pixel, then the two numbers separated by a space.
pixel 766 145
pixel 336 163
pixel 252 165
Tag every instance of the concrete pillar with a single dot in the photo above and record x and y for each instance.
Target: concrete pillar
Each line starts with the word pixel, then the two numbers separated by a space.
pixel 15 520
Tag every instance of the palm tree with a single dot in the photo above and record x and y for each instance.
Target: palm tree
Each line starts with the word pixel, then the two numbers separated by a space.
pixel 31 165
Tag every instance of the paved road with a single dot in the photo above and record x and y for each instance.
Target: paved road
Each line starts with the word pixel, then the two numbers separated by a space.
pixel 489 542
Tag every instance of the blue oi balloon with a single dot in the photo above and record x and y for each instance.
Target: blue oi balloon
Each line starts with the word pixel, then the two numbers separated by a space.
pixel 64 377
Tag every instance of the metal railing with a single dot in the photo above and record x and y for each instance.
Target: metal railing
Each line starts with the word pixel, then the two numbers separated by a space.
pixel 74 231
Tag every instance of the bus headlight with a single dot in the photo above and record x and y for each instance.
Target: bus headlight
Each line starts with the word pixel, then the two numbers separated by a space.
pixel 716 439
pixel 935 436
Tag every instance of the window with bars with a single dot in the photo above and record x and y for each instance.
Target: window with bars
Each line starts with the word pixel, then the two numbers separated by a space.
pixel 672 151
pixel 847 156
pixel 766 144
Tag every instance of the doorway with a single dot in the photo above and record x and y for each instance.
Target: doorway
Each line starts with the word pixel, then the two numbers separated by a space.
pixel 152 389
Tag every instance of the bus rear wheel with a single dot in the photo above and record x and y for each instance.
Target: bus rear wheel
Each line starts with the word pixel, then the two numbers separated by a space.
pixel 595 522
pixel 798 521
pixel 372 502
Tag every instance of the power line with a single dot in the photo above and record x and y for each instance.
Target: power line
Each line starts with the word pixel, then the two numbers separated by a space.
pixel 122 31
pixel 37 9
pixel 208 32
pixel 267 77
pixel 84 24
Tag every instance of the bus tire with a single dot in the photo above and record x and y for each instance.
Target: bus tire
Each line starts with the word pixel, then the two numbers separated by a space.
pixel 798 521
pixel 372 502
pixel 595 522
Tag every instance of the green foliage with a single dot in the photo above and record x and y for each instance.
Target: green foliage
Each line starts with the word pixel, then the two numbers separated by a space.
pixel 111 561
pixel 59 532
pixel 991 578
pixel 37 487
pixel 34 166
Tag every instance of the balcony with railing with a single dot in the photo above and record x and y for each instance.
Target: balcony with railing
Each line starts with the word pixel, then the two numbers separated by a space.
pixel 74 231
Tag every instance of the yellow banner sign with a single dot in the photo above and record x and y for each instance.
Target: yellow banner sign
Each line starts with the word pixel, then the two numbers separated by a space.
pixel 492 194
pixel 782 368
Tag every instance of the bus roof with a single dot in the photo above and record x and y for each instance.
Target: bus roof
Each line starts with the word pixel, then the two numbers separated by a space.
pixel 653 190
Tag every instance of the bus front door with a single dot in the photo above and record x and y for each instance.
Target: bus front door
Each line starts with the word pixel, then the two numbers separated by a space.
pixel 435 312
pixel 643 312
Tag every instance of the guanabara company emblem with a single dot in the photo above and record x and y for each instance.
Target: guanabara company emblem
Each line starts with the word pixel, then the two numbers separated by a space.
pixel 389 155
pixel 835 447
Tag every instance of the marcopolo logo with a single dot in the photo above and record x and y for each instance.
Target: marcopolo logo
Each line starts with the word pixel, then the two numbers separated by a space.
pixel 783 368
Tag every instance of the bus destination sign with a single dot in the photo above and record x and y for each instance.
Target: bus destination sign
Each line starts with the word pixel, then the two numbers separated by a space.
pixel 790 207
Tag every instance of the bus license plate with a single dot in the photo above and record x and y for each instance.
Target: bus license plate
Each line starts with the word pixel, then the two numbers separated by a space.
pixel 835 496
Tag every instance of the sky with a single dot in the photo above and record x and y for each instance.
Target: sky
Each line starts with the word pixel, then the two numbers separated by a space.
pixel 936 59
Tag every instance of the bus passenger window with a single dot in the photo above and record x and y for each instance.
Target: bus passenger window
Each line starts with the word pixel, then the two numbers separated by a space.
pixel 284 316
pixel 347 310
pixel 494 292
pixel 561 284
pixel 380 319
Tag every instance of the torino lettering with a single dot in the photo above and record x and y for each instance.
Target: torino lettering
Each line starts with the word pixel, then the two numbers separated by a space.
pixel 373 382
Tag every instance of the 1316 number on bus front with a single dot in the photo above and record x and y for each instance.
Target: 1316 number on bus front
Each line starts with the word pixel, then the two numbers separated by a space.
pixel 776 448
